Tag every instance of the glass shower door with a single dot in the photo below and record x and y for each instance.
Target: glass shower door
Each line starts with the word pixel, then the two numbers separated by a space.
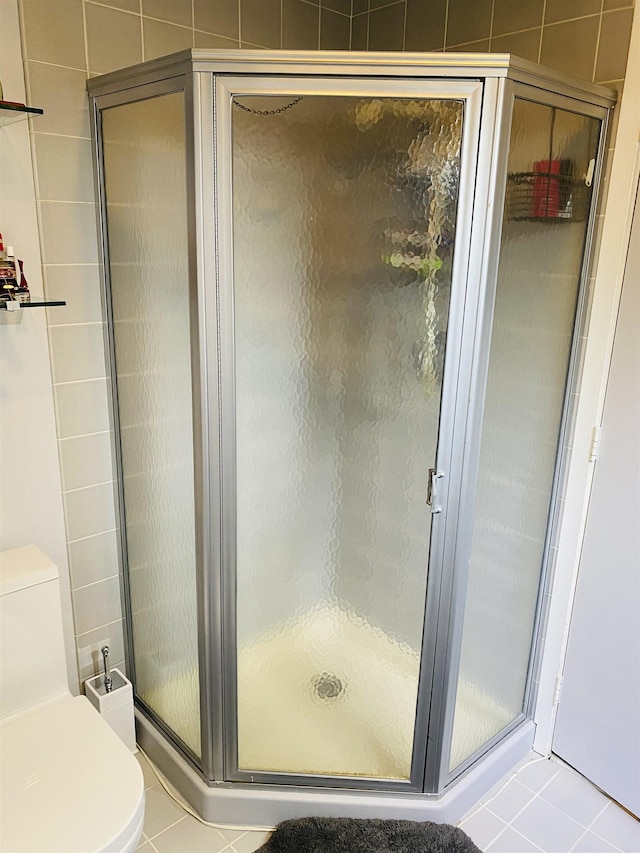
pixel 344 214
pixel 145 194
pixel 552 155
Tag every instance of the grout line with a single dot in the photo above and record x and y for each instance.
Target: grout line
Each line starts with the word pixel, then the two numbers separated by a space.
pixel 82 489
pixel 404 26
pixel 498 833
pixel 85 435
pixel 526 838
pixel 544 12
pixel 77 381
pixel 601 812
pixel 171 825
pixel 493 10
pixel 368 23
pixel 63 135
pixel 597 50
pixel 389 3
pixel 571 20
pixel 99 628
pixel 95 583
pixel 446 26
pixel 57 65
pixel 65 201
pixel 86 40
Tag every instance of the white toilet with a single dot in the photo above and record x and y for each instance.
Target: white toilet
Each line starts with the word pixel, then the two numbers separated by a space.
pixel 68 783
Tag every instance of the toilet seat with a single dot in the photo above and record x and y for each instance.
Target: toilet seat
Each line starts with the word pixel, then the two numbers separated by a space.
pixel 69 785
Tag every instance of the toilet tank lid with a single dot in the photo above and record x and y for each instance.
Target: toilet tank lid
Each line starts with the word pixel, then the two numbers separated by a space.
pixel 24 567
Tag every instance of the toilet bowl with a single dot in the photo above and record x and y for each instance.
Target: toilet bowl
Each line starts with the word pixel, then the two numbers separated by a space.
pixel 67 783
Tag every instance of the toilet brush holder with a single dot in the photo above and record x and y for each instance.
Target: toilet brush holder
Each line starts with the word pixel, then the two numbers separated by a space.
pixel 114 702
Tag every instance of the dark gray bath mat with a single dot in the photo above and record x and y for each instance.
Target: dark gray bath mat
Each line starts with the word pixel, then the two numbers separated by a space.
pixel 347 835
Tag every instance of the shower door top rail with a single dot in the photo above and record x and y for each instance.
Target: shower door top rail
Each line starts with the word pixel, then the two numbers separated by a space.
pixel 350 63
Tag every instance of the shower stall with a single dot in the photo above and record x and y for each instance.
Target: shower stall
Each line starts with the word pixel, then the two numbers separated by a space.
pixel 344 295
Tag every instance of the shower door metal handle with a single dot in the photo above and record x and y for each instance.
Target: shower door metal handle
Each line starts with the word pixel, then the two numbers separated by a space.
pixel 432 493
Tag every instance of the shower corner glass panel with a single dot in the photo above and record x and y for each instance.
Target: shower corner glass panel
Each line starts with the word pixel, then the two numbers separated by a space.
pixel 344 212
pixel 544 229
pixel 145 190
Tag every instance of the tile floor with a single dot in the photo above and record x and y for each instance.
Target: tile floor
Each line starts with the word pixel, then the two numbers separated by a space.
pixel 544 806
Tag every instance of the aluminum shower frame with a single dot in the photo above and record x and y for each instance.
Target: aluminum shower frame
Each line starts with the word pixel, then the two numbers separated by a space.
pixel 488 83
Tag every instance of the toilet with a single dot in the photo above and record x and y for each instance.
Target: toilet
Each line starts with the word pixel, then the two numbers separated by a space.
pixel 68 783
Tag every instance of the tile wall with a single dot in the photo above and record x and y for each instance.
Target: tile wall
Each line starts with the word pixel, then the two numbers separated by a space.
pixel 65 41
pixel 589 38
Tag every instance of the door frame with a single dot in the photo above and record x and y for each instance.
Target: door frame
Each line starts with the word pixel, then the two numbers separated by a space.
pixel 454 401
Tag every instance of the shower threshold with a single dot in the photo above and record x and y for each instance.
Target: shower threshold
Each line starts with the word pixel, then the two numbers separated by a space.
pixel 256 805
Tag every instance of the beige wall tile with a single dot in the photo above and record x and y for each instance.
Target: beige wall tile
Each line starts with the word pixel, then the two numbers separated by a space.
pixel 300 22
pixel 62 94
pixel 468 22
pixel 87 512
pixel 80 287
pixel 480 46
pixel 90 643
pixel 613 49
pixel 93 559
pixel 526 44
pixel 425 24
pixel 64 168
pixel 563 10
pixel 85 460
pixel 359 6
pixel 161 39
pixel 54 32
pixel 582 35
pixel 509 16
pixel 77 352
pixel 221 17
pixel 81 407
pixel 260 22
pixel 68 233
pixel 342 6
pixel 359 32
pixel 386 28
pixel 211 40
pixel 174 11
pixel 617 4
pixel 335 30
pixel 114 38
pixel 127 5
pixel 96 605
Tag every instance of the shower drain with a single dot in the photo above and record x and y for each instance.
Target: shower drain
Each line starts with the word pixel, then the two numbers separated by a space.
pixel 327 686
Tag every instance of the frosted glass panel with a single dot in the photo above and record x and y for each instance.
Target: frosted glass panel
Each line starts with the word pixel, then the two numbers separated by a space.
pixel 344 215
pixel 543 239
pixel 144 165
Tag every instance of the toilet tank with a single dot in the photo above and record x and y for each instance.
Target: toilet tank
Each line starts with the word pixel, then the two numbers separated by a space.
pixel 32 655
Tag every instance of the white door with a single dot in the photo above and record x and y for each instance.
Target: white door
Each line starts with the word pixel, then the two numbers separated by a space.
pixel 598 724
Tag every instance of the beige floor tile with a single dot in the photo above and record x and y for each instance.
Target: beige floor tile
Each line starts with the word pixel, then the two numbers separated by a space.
pixel 250 842
pixel 192 836
pixel 150 778
pixel 161 812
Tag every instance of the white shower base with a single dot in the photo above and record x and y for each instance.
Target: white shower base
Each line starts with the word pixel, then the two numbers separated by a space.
pixel 367 728
pixel 327 693
pixel 288 723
